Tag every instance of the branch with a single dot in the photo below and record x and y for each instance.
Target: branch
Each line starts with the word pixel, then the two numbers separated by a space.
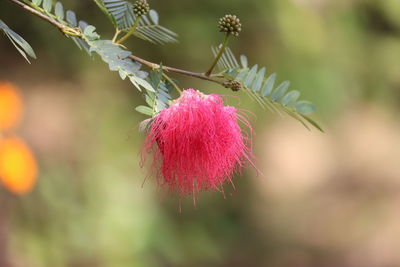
pixel 131 31
pixel 175 70
pixel 220 53
pixel 63 28
pixel 67 30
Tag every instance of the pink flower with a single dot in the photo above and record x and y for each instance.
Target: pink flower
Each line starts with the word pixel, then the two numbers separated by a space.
pixel 197 144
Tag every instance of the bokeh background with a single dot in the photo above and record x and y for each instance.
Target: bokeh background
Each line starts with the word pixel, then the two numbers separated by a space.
pixel 329 199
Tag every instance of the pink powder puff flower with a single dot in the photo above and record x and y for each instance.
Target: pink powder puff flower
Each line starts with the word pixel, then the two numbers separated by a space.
pixel 197 144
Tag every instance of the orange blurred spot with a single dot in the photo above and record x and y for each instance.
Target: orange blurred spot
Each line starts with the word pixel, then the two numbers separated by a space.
pixel 18 168
pixel 10 106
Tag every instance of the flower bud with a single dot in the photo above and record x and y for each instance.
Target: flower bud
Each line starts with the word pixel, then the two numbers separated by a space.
pixel 141 7
pixel 233 85
pixel 230 24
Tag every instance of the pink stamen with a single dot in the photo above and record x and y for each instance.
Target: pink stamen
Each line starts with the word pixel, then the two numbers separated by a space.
pixel 197 144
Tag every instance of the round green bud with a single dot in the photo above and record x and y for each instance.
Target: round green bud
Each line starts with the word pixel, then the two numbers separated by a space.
pixel 141 7
pixel 233 85
pixel 230 24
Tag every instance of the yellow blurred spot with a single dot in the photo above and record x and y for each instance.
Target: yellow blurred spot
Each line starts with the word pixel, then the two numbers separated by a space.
pixel 18 168
pixel 10 106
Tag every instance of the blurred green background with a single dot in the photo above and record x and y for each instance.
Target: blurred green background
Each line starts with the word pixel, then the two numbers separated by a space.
pixel 323 199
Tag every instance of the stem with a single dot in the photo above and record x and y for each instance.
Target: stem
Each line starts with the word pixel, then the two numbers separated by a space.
pixel 221 51
pixel 63 28
pixel 175 70
pixel 172 82
pixel 117 32
pixel 131 31
pixel 41 10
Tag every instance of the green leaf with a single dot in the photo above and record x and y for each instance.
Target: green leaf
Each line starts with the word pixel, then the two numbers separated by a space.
pixel 83 25
pixel 154 16
pixel 250 77
pixel 161 97
pixel 305 107
pixel 242 74
pixel 227 61
pixel 230 59
pixel 145 84
pixel 155 33
pixel 71 18
pixel 261 89
pixel 144 110
pixel 231 74
pixel 243 61
pixel 269 85
pixel 19 43
pixel 149 29
pixel 36 2
pixel 47 5
pixel 290 98
pixel 259 80
pixel 59 10
pixel 149 100
pixel 122 12
pixel 117 59
pixel 22 43
pixel 90 33
pixel 313 123
pixel 122 74
pixel 280 91
pixel 19 49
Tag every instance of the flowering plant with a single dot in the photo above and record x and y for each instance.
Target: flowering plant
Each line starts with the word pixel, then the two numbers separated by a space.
pixel 196 141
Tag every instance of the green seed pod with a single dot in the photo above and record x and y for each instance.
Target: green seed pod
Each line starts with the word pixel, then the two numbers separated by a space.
pixel 141 7
pixel 230 24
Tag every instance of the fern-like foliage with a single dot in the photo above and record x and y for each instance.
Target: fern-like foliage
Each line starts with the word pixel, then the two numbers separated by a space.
pixel 227 61
pixel 123 18
pixel 158 99
pixel 121 12
pixel 67 18
pixel 19 43
pixel 151 31
pixel 116 57
pixel 263 89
